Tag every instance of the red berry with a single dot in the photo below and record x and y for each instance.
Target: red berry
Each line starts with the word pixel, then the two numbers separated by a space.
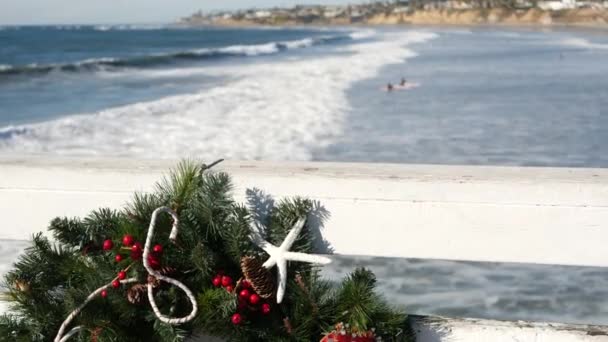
pixel 265 308
pixel 127 240
pixel 229 288
pixel 244 293
pixel 115 283
pixel 236 319
pixel 136 251
pixel 157 249
pixel 217 281
pixel 245 284
pixel 135 255
pixel 153 262
pixel 122 275
pixel 226 280
pixel 118 258
pixel 254 299
pixel 107 245
pixel 104 293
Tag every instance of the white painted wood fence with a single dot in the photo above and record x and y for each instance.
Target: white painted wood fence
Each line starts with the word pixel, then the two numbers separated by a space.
pixel 509 214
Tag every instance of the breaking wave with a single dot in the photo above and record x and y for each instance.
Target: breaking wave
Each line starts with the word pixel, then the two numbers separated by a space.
pixel 272 110
pixel 162 59
pixel 583 43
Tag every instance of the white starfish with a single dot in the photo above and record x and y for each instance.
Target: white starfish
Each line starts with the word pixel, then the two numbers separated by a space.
pixel 280 255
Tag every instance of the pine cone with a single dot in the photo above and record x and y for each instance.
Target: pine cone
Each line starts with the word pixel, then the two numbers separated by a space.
pixel 167 271
pixel 136 292
pixel 154 281
pixel 258 276
pixel 95 333
pixel 22 285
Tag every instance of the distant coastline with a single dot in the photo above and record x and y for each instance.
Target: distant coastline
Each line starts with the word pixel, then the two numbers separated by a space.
pixel 440 12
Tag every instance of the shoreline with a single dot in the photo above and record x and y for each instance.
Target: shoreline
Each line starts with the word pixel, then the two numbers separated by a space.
pixel 588 18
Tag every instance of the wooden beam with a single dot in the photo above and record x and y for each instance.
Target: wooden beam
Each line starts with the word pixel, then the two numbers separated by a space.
pixel 511 214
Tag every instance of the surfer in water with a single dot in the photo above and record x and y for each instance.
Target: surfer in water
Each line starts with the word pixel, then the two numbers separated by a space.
pixel 389 87
pixel 402 83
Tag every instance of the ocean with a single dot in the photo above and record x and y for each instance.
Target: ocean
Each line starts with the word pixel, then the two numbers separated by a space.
pixel 493 96
pixel 485 95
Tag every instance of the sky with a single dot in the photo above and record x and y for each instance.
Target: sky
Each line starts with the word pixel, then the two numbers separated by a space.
pixel 33 12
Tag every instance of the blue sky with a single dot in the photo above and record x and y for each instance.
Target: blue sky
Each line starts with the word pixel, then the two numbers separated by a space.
pixel 25 12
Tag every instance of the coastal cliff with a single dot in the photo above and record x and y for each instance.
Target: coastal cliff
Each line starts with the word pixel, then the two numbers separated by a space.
pixel 534 16
pixel 587 17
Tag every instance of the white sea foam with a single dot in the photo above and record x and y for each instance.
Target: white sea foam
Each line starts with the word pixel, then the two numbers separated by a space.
pixel 583 43
pixel 277 110
pixel 96 60
pixel 5 67
pixel 102 28
pixel 127 27
pixel 298 44
pixel 263 49
pixel 67 27
pixel 251 50
pixel 362 34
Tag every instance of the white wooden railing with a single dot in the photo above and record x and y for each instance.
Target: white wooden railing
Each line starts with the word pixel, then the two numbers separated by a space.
pixel 478 213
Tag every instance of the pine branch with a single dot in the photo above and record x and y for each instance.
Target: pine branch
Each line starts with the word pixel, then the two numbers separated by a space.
pixel 181 184
pixel 141 207
pixel 311 310
pixel 15 329
pixel 70 231
pixel 168 333
pixel 357 300
pixel 237 242
pixel 203 260
pixel 101 224
pixel 364 309
pixel 286 213
pixel 215 308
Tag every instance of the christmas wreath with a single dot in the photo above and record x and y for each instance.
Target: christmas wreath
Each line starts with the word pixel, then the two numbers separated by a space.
pixel 188 261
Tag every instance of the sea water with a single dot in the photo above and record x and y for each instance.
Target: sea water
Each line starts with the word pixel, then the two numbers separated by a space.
pixel 484 96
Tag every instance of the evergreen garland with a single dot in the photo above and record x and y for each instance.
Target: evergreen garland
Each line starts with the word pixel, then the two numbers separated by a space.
pixel 52 278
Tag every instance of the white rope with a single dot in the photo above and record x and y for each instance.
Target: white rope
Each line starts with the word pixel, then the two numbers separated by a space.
pixel 73 314
pixel 62 336
pixel 172 281
pixel 71 333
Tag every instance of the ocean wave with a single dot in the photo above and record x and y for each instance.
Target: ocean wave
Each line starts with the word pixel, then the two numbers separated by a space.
pixel 273 110
pixel 245 50
pixel 129 27
pixel 95 64
pixel 362 34
pixel 302 43
pixel 102 28
pixel 68 27
pixel 582 43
